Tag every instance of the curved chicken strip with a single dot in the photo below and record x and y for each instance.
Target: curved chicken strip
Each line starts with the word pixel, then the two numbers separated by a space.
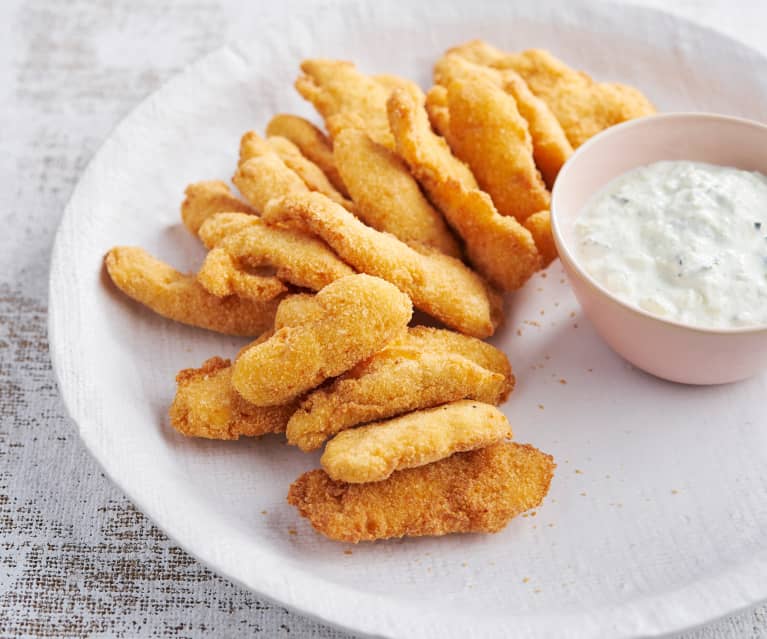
pixel 182 298
pixel 539 225
pixel 344 97
pixel 373 452
pixel 312 142
pixel 438 284
pixel 222 275
pixel 206 405
pixel 582 106
pixel 357 316
pixel 386 196
pixel 489 134
pixel 297 258
pixel 551 148
pixel 394 381
pixel 264 178
pixel 204 199
pixel 475 491
pixel 253 146
pixel 499 247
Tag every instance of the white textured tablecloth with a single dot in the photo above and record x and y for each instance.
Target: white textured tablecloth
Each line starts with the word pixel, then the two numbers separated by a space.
pixel 76 558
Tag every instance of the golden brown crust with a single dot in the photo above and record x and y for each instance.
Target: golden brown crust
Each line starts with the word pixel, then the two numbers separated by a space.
pixel 182 298
pixel 345 98
pixel 438 284
pixel 476 491
pixel 386 196
pixel 582 106
pixel 222 275
pixel 357 316
pixel 395 381
pixel 298 258
pixel 312 142
pixel 204 199
pixel 499 247
pixel 373 452
pixel 206 405
pixel 539 225
pixel 489 134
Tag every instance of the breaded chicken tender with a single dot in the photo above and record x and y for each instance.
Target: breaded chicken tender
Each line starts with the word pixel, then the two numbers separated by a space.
pixel 312 143
pixel 539 225
pixel 357 316
pixel 345 97
pixel 204 199
pixel 500 248
pixel 297 257
pixel 373 452
pixel 222 274
pixel 489 134
pixel 439 285
pixel 582 106
pixel 551 148
pixel 206 405
pixel 264 178
pixel 182 298
pixel 386 196
pixel 394 381
pixel 475 491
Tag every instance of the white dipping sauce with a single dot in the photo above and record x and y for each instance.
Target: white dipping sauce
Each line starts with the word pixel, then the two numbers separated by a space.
pixel 686 241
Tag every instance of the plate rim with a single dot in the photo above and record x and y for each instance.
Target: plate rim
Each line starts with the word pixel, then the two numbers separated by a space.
pixel 678 613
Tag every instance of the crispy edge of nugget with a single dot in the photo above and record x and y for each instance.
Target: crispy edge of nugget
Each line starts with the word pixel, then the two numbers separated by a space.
pixel 345 97
pixel 396 380
pixel 298 258
pixel 182 298
pixel 386 196
pixel 206 405
pixel 204 199
pixel 359 315
pixel 489 134
pixel 475 491
pixel 312 175
pixel 539 225
pixel 501 249
pixel 438 284
pixel 373 452
pixel 551 148
pixel 311 141
pixel 221 274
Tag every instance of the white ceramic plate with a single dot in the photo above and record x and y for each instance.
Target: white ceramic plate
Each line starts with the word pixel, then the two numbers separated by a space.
pixel 657 516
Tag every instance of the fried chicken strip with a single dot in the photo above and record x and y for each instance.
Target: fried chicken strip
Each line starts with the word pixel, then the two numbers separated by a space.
pixel 223 275
pixel 357 315
pixel 475 491
pixel 582 106
pixel 386 196
pixel 253 145
pixel 204 199
pixel 312 142
pixel 551 148
pixel 206 405
pixel 394 381
pixel 501 249
pixel 373 452
pixel 297 257
pixel 489 134
pixel 345 98
pixel 182 298
pixel 439 285
pixel 539 225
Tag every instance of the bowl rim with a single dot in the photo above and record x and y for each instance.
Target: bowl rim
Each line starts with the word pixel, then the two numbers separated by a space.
pixel 568 256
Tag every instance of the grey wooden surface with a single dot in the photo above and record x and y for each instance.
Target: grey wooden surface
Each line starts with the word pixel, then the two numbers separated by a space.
pixel 76 558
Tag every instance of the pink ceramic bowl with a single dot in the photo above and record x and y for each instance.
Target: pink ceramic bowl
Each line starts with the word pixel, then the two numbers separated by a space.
pixel 668 349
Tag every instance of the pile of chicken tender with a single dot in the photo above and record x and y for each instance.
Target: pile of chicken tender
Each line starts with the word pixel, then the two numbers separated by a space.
pixel 437 202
